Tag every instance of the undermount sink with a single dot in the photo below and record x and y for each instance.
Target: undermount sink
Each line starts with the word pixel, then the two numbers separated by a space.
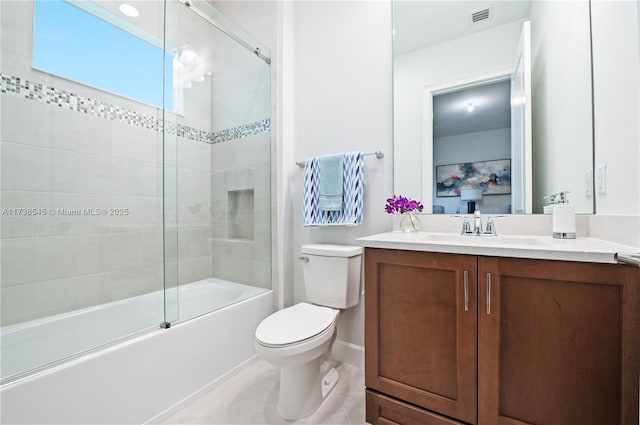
pixel 520 241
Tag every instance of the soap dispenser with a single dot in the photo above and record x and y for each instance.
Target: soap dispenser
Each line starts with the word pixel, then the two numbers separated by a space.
pixel 564 217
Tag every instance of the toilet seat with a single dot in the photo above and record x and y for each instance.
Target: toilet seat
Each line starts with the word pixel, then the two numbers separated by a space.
pixel 296 324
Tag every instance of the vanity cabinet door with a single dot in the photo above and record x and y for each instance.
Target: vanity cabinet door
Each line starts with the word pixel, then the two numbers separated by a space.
pixel 420 329
pixel 558 342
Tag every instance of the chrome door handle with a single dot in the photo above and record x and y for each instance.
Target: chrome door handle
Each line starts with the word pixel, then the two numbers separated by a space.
pixel 466 290
pixel 488 293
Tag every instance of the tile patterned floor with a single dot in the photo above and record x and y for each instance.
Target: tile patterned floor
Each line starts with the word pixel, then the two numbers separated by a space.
pixel 250 398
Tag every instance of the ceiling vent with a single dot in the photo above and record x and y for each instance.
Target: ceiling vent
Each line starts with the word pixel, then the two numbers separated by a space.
pixel 481 15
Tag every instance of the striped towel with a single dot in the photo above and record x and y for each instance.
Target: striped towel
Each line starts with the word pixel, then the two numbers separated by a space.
pixel 353 191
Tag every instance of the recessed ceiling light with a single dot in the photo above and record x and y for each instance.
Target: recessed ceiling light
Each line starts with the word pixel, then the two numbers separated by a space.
pixel 470 107
pixel 129 10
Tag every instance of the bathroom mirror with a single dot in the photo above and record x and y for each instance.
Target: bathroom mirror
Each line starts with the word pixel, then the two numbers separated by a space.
pixel 495 96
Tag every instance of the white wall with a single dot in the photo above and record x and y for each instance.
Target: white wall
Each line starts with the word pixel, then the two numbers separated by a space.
pixel 561 58
pixel 616 70
pixel 464 57
pixel 285 156
pixel 342 102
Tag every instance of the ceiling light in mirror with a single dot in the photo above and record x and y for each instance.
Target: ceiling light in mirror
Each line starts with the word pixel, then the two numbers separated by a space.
pixel 518 100
pixel 470 107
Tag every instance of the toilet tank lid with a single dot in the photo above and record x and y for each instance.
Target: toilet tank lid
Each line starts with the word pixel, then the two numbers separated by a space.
pixel 331 250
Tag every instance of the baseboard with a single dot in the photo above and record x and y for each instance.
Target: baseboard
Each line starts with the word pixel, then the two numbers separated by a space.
pixel 170 411
pixel 347 352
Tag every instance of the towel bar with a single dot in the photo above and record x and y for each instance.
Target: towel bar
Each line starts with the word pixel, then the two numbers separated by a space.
pixel 378 154
pixel 628 258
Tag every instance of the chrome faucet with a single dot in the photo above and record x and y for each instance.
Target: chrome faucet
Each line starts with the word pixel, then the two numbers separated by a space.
pixel 477 226
pixel 477 223
pixel 490 230
pixel 466 227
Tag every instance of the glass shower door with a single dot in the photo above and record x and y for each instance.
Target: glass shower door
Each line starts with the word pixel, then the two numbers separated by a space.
pixel 220 129
pixel 81 191
pixel 130 200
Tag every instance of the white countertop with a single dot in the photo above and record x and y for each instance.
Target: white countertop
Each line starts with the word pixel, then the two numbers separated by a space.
pixel 583 249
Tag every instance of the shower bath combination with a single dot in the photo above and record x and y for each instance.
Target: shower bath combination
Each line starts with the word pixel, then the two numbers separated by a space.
pixel 130 236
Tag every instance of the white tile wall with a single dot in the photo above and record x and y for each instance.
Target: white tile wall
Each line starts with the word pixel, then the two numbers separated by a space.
pixel 194 269
pixel 247 261
pixel 30 260
pixel 193 203
pixel 59 129
pixel 18 303
pixel 135 280
pixel 16 226
pixel 60 224
pixel 19 125
pixel 59 296
pixel 197 106
pixel 135 143
pixel 16 16
pixel 37 169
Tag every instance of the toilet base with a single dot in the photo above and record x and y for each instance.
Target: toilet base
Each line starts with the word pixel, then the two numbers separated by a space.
pixel 304 387
pixel 329 382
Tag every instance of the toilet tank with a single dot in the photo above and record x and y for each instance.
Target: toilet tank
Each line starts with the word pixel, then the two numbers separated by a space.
pixel 332 274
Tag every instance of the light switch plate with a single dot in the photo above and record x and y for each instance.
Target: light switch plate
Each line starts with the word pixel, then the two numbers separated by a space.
pixel 588 183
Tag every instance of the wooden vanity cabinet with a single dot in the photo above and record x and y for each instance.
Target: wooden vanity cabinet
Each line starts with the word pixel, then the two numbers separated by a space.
pixel 420 329
pixel 555 342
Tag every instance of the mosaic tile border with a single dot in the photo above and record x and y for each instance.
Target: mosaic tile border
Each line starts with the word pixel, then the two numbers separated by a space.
pixel 16 86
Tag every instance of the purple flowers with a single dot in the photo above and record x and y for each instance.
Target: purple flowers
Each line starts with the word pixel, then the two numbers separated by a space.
pixel 401 204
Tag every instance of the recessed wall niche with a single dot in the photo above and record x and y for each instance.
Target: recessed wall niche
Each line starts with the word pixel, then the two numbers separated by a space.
pixel 240 207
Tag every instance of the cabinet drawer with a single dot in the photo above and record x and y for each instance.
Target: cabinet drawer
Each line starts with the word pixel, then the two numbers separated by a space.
pixel 383 410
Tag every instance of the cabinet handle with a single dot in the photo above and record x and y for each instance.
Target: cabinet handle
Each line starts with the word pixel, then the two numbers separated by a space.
pixel 488 293
pixel 466 290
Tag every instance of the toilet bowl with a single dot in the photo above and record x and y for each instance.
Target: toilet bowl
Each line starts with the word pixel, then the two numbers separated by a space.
pixel 299 339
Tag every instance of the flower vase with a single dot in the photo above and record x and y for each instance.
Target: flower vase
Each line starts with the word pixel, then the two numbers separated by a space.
pixel 409 222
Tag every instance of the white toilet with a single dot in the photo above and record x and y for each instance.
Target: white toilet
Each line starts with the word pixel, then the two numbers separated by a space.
pixel 299 338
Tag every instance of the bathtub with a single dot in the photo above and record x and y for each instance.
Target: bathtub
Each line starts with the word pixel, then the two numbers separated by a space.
pixel 141 378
